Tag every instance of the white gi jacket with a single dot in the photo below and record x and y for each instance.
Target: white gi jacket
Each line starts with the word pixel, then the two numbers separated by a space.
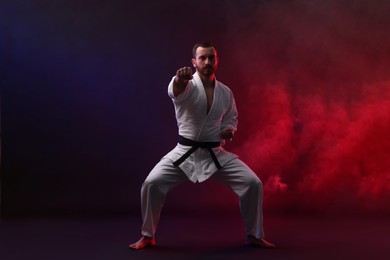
pixel 196 124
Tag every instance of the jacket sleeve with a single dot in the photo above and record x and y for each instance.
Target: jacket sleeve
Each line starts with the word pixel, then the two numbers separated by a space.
pixel 229 119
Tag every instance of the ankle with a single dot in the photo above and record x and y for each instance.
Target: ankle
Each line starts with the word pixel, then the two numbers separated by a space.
pixel 147 238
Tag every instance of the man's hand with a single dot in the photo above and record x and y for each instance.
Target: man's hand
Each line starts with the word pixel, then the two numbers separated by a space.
pixel 227 134
pixel 183 75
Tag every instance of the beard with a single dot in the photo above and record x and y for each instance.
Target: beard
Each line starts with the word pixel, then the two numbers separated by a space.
pixel 207 70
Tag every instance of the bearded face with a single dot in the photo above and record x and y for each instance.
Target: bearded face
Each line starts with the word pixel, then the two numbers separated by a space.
pixel 206 61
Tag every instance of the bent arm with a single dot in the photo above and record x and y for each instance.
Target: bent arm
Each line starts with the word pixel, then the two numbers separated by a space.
pixel 229 121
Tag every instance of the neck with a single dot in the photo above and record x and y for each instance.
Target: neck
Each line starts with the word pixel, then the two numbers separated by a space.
pixel 207 80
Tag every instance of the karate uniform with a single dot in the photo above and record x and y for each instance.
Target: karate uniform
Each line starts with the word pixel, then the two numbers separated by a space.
pixel 195 123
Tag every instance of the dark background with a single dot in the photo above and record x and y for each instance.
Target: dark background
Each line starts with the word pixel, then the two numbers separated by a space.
pixel 85 113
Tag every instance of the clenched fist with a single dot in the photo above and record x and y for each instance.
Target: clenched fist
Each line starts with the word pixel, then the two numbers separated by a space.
pixel 227 134
pixel 184 74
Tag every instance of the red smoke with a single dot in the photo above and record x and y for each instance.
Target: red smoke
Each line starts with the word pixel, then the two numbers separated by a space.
pixel 316 114
pixel 312 153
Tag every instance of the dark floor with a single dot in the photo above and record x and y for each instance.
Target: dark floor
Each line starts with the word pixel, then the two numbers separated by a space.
pixel 186 237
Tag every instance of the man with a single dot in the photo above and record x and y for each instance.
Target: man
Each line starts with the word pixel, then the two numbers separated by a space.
pixel 206 115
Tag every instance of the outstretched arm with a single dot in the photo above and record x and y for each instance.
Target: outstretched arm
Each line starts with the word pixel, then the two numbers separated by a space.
pixel 183 75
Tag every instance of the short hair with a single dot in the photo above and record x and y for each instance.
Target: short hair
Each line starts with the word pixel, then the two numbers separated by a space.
pixel 203 45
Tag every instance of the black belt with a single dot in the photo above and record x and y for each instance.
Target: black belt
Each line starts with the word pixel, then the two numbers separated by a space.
pixel 195 145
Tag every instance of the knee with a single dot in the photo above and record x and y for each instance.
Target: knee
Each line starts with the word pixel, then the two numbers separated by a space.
pixel 255 183
pixel 149 186
pixel 146 184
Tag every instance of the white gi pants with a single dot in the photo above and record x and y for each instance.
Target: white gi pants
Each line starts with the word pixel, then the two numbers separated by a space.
pixel 236 175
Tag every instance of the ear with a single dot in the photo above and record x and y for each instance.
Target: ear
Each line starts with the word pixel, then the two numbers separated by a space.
pixel 193 62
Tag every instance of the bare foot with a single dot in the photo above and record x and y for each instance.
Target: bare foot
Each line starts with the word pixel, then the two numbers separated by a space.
pixel 253 241
pixel 143 242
